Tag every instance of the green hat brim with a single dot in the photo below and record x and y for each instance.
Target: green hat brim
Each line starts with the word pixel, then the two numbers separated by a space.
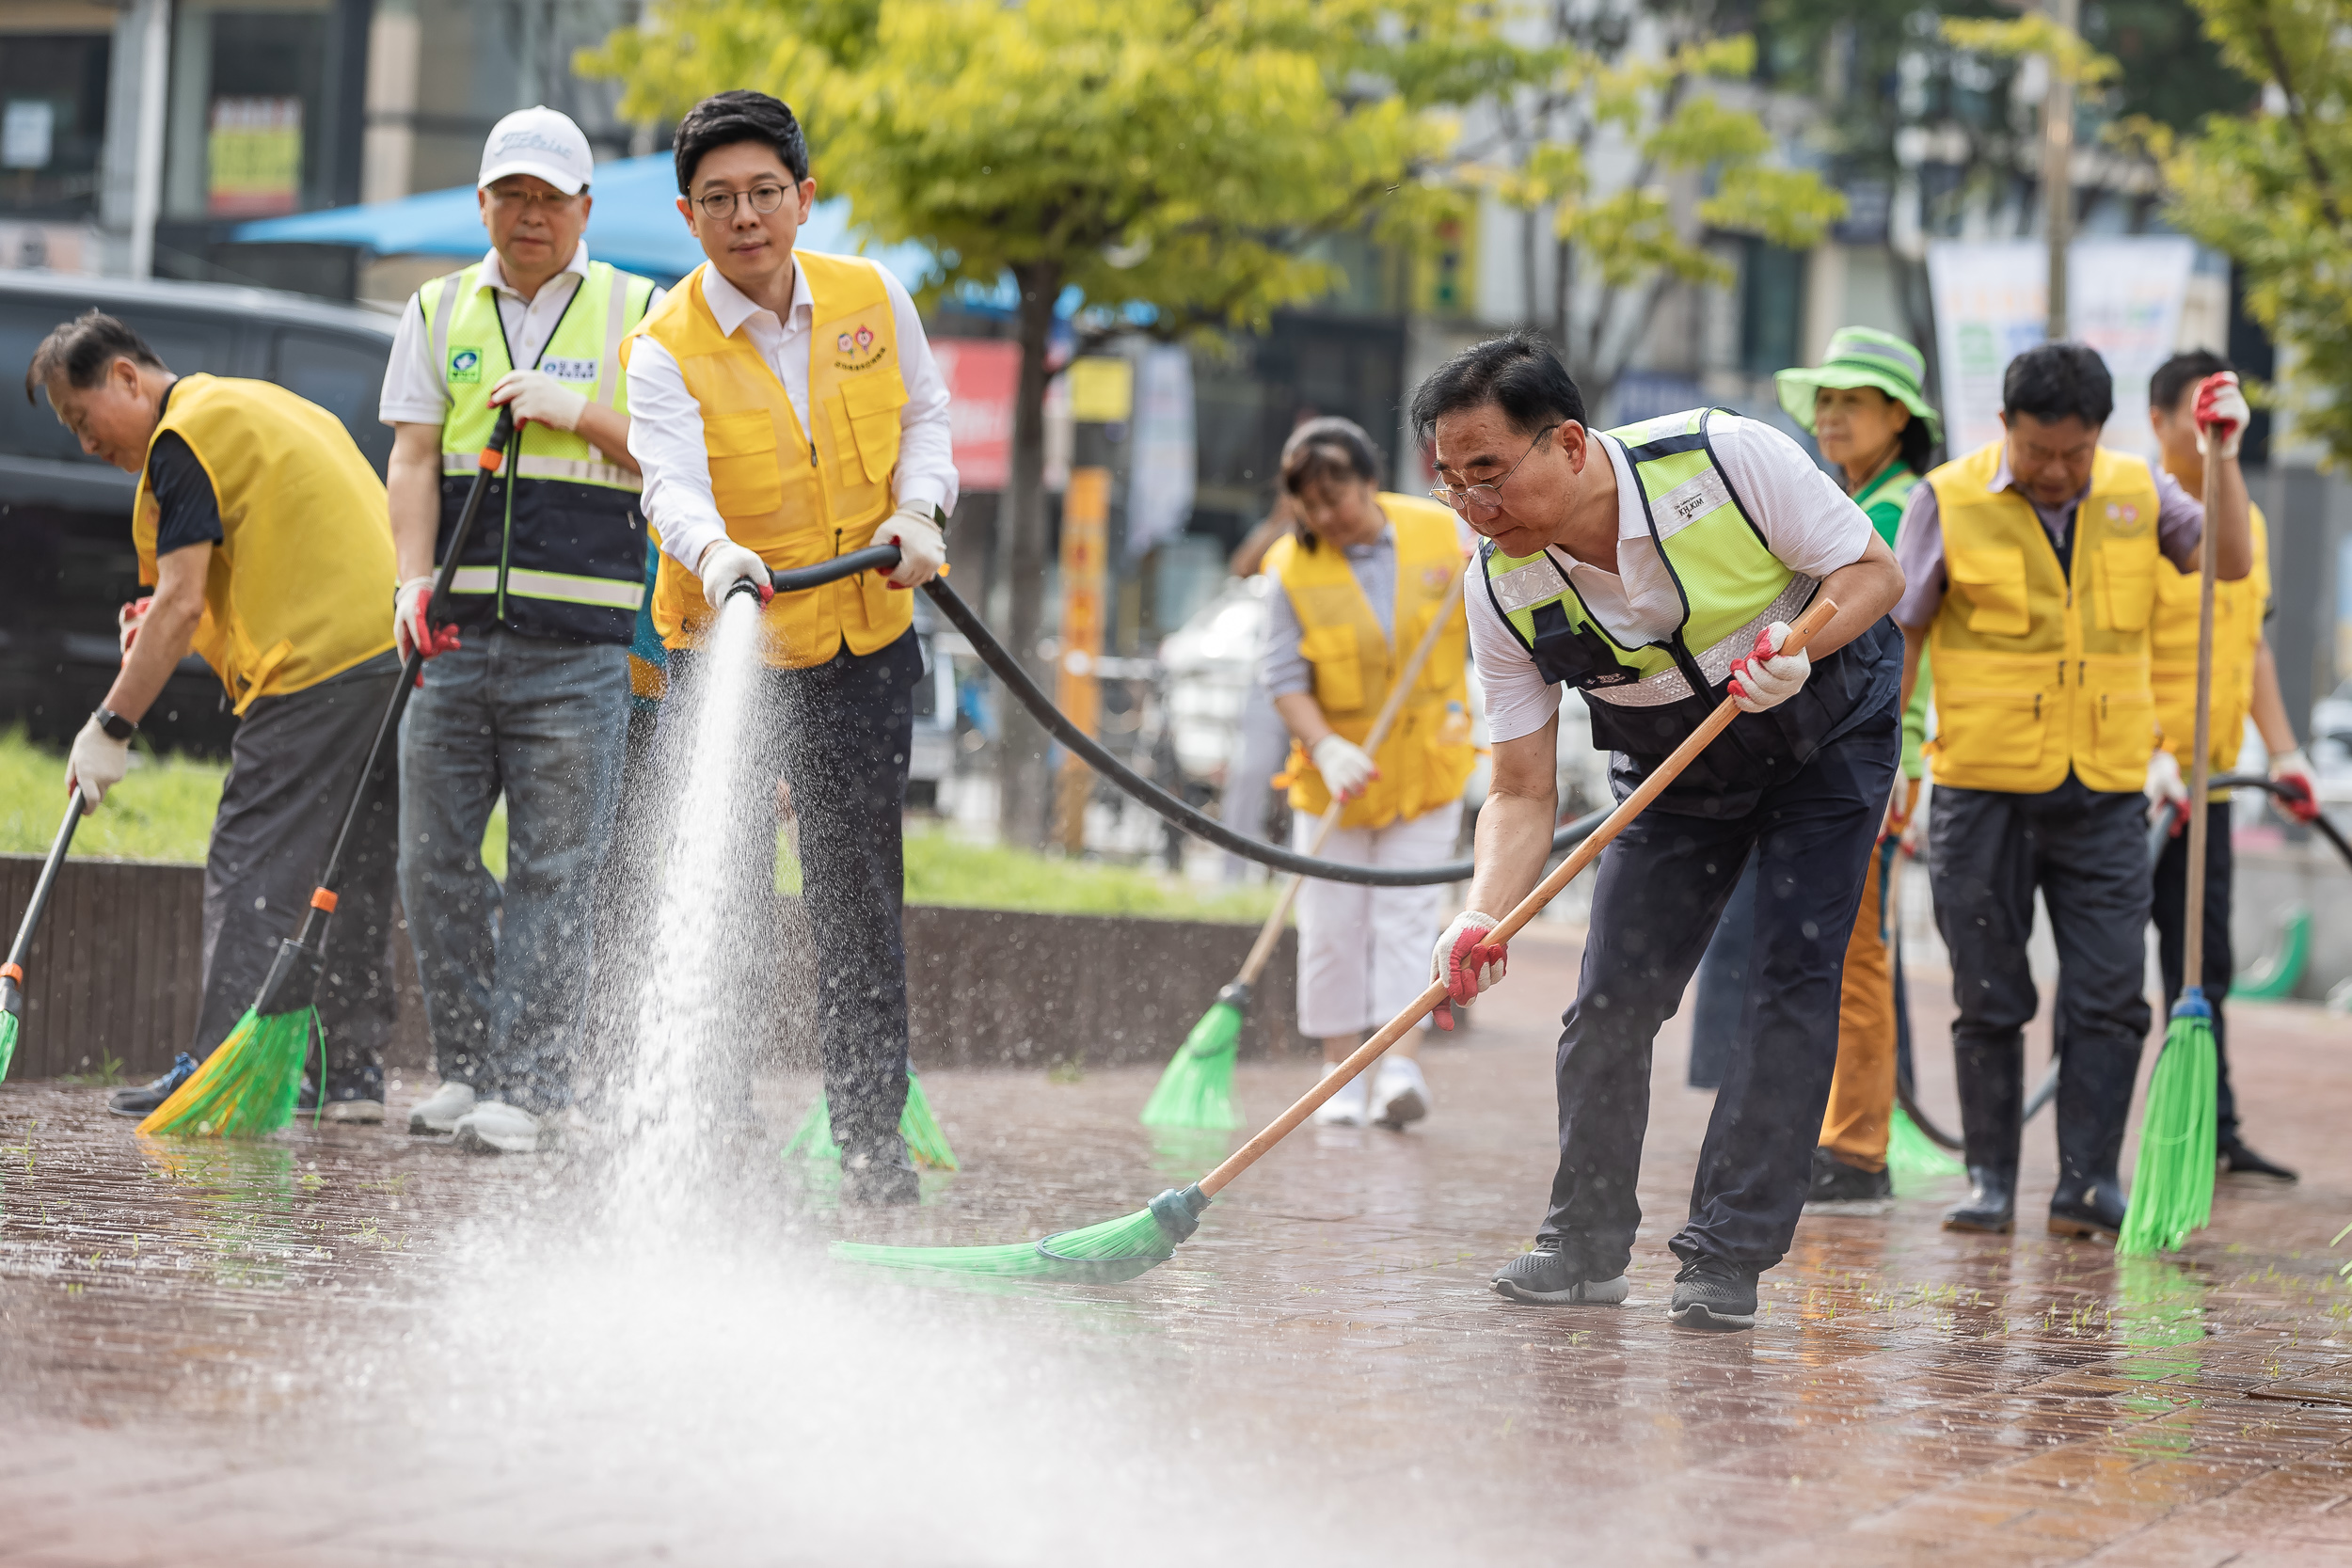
pixel 1797 387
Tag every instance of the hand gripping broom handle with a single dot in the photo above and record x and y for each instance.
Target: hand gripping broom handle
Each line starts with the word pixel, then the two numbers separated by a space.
pixel 1271 932
pixel 492 459
pixel 1816 616
pixel 2200 770
pixel 12 973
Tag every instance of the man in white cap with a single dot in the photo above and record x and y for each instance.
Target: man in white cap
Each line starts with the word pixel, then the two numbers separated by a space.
pixel 526 694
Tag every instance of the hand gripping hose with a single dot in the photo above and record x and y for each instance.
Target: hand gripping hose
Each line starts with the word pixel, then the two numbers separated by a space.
pixel 1008 669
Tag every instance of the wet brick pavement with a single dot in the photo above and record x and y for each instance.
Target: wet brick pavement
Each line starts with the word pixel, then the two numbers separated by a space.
pixel 350 1346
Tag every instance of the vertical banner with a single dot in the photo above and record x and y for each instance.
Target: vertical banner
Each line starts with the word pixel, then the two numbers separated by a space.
pixel 1086 511
pixel 1160 485
pixel 983 376
pixel 2124 297
pixel 254 157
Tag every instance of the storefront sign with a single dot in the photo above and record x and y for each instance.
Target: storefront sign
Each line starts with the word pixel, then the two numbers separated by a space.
pixel 983 376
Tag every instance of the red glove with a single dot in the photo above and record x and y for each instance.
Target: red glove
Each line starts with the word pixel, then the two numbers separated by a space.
pixel 1467 962
pixel 129 618
pixel 410 628
pixel 2222 413
pixel 2294 770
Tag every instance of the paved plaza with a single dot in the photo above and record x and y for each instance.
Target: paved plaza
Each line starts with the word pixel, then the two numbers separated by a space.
pixel 354 1347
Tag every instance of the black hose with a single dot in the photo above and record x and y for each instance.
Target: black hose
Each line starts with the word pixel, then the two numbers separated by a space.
pixel 1008 669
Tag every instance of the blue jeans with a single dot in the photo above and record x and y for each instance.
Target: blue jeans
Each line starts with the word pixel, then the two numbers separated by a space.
pixel 506 969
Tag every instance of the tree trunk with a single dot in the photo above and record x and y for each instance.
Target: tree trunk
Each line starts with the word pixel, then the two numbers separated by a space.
pixel 1022 791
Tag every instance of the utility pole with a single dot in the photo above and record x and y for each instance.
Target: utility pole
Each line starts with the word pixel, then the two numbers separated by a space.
pixel 2057 165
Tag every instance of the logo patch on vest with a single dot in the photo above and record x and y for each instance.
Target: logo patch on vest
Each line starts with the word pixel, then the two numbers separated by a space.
pixel 2122 519
pixel 571 369
pixel 1523 586
pixel 1694 498
pixel 465 364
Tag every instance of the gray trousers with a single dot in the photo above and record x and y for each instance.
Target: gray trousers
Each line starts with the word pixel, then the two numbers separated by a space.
pixel 291 767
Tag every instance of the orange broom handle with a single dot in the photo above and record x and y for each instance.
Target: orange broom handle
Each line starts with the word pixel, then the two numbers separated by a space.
pixel 1816 615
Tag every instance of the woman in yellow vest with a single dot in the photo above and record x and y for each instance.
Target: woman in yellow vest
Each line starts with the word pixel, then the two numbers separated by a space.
pixel 2245 685
pixel 1358 584
pixel 787 410
pixel 264 532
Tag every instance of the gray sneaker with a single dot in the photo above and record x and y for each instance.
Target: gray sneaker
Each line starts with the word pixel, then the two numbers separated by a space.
pixel 1545 1278
pixel 1714 1293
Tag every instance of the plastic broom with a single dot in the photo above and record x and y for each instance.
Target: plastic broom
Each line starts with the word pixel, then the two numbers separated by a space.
pixel 1124 1248
pixel 247 1086
pixel 1911 1154
pixel 1197 1090
pixel 12 973
pixel 927 1141
pixel 2173 1184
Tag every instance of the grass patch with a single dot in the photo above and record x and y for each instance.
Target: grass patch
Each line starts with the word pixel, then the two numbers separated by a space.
pixel 948 871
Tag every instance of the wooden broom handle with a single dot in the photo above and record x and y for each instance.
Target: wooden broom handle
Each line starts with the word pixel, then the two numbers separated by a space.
pixel 1816 615
pixel 2200 770
pixel 1271 932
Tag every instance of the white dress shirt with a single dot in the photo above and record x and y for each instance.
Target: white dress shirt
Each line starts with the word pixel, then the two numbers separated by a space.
pixel 1807 522
pixel 665 431
pixel 415 390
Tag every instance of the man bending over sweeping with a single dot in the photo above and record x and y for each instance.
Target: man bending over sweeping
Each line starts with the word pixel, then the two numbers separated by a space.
pixel 1656 569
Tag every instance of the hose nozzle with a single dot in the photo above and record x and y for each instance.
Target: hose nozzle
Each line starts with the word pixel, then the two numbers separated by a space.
pixel 743 585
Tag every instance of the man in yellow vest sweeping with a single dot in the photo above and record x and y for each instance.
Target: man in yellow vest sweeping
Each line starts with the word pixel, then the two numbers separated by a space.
pixel 787 410
pixel 2031 566
pixel 1656 569
pixel 526 693
pixel 261 529
pixel 2245 685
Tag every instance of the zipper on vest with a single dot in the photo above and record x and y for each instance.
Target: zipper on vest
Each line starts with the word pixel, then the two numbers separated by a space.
pixel 812 451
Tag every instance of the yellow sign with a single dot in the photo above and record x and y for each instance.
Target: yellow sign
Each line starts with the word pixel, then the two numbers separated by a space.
pixel 255 156
pixel 1086 511
pixel 1101 389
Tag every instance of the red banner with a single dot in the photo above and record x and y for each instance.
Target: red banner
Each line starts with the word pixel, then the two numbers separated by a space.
pixel 982 376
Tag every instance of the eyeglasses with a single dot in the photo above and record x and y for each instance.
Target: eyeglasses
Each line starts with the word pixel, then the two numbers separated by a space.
pixel 1483 501
pixel 719 206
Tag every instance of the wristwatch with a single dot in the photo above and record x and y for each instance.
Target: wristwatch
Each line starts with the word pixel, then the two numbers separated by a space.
pixel 116 726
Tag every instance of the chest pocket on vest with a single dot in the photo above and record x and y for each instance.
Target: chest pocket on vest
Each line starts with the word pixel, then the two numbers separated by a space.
pixel 1993 581
pixel 744 478
pixel 2127 588
pixel 868 408
pixel 1339 673
pixel 1577 654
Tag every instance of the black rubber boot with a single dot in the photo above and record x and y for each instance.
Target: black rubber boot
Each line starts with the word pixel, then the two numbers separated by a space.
pixel 879 1176
pixel 2091 1212
pixel 1991 1204
pixel 1992 1079
pixel 2238 1159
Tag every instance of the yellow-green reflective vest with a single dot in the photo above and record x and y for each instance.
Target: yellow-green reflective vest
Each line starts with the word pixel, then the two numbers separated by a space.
pixel 560 549
pixel 1647 700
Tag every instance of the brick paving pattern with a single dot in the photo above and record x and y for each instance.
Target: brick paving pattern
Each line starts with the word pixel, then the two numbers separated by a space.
pixel 349 1346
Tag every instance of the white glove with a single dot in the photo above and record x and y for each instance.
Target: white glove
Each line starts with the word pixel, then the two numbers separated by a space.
pixel 2164 788
pixel 726 563
pixel 96 764
pixel 1768 677
pixel 2294 770
pixel 922 548
pixel 537 395
pixel 411 601
pixel 2221 413
pixel 1466 961
pixel 1345 767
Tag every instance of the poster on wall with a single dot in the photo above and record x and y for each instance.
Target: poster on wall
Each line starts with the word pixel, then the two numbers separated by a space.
pixel 254 156
pixel 2124 296
pixel 982 375
pixel 1160 484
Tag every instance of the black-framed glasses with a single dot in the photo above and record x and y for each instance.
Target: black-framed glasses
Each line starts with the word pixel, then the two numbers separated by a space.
pixel 1483 501
pixel 719 206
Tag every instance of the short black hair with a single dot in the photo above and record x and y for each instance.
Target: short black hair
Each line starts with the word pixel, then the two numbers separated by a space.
pixel 81 349
pixel 1517 372
pixel 1326 448
pixel 2182 371
pixel 725 118
pixel 2051 381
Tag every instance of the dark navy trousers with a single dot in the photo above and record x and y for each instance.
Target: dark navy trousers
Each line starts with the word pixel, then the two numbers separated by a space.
pixel 1660 890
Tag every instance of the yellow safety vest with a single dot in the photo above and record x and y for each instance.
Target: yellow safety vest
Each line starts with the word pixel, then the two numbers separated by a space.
pixel 1428 757
pixel 298 586
pixel 2039 671
pixel 2237 635
pixel 795 496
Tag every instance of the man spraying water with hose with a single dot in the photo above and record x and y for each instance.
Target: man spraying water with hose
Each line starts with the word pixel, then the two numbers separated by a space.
pixel 787 410
pixel 1657 569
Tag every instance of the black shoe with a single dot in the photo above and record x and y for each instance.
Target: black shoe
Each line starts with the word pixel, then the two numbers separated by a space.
pixel 1992 1205
pixel 882 1177
pixel 2093 1211
pixel 2238 1159
pixel 1839 1188
pixel 1545 1277
pixel 1713 1292
pixel 141 1100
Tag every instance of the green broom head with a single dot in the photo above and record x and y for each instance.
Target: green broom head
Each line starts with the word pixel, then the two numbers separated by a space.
pixel 1104 1254
pixel 2173 1185
pixel 11 1005
pixel 1913 1156
pixel 1197 1090
pixel 246 1087
pixel 927 1141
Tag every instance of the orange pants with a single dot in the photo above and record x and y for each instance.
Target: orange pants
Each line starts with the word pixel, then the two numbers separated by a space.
pixel 1861 1095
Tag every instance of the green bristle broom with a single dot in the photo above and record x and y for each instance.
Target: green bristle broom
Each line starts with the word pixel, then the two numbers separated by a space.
pixel 1197 1090
pixel 247 1086
pixel 927 1141
pixel 12 973
pixel 2173 1184
pixel 1911 1155
pixel 1123 1248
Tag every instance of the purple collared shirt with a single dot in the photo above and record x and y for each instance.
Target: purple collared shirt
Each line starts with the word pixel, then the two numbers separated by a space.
pixel 1919 542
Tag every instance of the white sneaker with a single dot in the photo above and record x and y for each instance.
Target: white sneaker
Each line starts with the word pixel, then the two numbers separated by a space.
pixel 364 1113
pixel 1350 1107
pixel 494 1127
pixel 439 1111
pixel 1400 1095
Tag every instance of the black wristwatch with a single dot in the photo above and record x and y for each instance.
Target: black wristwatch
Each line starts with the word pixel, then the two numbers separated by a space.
pixel 116 726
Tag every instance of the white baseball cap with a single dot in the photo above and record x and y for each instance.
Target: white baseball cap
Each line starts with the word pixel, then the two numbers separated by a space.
pixel 542 142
